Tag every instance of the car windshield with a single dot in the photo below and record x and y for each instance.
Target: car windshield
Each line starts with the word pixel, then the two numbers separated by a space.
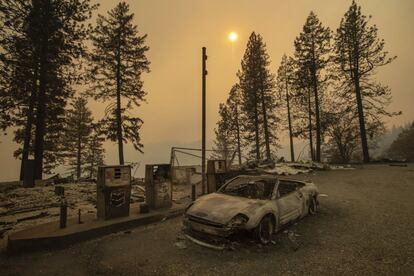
pixel 249 188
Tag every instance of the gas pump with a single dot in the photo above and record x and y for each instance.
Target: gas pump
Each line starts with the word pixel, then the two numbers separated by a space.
pixel 216 174
pixel 113 191
pixel 158 187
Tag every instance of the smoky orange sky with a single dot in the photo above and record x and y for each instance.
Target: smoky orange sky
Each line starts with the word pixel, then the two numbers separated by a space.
pixel 177 29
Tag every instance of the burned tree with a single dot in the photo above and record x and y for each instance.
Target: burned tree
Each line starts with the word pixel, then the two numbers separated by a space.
pixel 118 60
pixel 358 53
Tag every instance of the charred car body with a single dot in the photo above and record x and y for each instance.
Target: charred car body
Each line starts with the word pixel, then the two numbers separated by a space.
pixel 260 205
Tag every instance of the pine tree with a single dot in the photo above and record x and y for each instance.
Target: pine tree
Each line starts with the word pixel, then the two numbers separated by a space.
pixel 118 61
pixel 234 102
pixel 17 74
pixel 303 107
pixel 226 141
pixel 78 131
pixel 258 98
pixel 358 53
pixel 312 48
pixel 44 42
pixel 95 153
pixel 285 82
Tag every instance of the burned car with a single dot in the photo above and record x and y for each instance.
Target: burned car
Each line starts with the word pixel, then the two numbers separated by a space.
pixel 260 205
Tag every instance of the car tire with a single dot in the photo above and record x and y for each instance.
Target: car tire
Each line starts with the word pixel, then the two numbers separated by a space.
pixel 265 230
pixel 313 206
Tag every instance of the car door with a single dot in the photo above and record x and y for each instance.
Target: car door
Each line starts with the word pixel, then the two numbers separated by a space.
pixel 289 201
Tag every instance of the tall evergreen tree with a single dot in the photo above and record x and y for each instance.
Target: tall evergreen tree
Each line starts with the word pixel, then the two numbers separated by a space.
pixel 47 39
pixel 285 81
pixel 95 153
pixel 78 131
pixel 226 141
pixel 17 73
pixel 358 53
pixel 312 48
pixel 118 61
pixel 302 103
pixel 234 102
pixel 258 98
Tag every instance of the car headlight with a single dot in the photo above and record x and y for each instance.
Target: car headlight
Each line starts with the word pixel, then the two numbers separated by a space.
pixel 238 220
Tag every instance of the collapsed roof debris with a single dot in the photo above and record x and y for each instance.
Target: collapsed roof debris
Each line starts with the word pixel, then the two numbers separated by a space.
pixel 289 168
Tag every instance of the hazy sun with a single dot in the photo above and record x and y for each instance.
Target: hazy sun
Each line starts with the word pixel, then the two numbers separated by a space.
pixel 233 36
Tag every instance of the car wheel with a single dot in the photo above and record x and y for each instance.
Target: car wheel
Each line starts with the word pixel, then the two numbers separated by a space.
pixel 313 206
pixel 265 230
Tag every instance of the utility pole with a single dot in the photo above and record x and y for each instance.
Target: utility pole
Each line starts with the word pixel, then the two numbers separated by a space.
pixel 203 121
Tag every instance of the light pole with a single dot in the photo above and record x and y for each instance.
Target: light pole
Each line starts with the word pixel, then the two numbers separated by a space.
pixel 203 120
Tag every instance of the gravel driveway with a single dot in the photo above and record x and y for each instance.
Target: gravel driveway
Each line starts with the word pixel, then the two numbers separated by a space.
pixel 365 226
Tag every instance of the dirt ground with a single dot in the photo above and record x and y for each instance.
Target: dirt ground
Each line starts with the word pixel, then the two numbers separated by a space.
pixel 365 226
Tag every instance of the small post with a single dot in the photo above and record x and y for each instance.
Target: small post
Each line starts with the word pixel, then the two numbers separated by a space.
pixel 193 192
pixel 79 216
pixel 63 212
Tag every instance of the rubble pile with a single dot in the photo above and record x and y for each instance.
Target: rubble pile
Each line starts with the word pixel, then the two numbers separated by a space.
pixel 291 168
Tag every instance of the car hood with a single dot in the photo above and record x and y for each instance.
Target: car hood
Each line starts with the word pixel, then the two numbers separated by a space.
pixel 221 208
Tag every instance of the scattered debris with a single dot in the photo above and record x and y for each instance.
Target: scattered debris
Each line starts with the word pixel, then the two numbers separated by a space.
pixel 290 168
pixel 398 165
pixel 181 244
pixel 41 215
pixel 293 242
pixel 181 237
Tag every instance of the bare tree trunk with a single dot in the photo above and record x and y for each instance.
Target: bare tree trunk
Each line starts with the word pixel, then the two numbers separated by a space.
pixel 29 126
pixel 318 125
pixel 292 150
pixel 92 164
pixel 256 122
pixel 317 113
pixel 40 114
pixel 310 127
pixel 238 135
pixel 265 127
pixel 361 117
pixel 78 156
pixel 118 109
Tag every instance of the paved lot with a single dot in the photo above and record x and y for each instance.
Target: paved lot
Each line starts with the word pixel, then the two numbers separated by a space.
pixel 365 226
